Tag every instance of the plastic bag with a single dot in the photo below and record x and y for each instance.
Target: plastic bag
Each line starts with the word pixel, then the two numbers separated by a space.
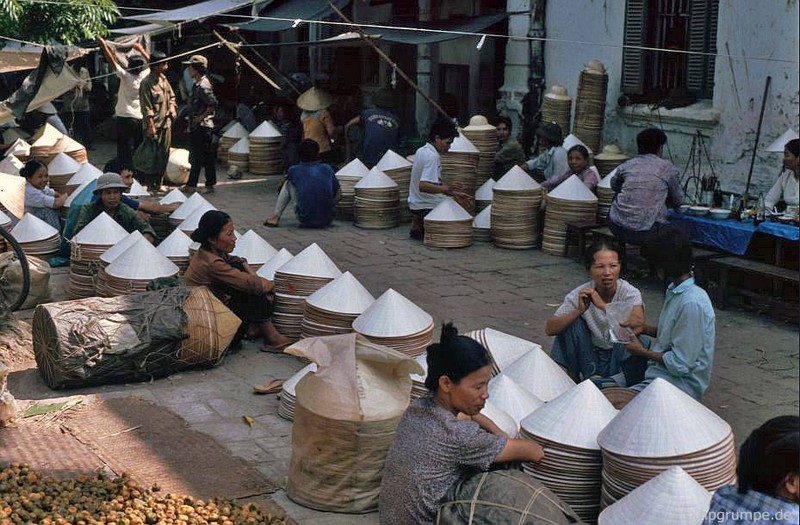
pixel 619 312
pixel 150 158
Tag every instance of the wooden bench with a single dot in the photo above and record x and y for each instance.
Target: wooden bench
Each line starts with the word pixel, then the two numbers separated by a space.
pixel 753 268
pixel 579 229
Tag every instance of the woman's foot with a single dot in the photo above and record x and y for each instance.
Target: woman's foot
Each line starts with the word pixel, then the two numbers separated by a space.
pixel 272 222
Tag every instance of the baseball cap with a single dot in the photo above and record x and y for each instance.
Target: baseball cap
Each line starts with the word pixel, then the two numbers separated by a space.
pixel 197 60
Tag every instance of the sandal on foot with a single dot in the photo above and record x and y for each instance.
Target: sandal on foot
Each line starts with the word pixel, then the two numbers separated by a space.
pixel 275 349
pixel 270 224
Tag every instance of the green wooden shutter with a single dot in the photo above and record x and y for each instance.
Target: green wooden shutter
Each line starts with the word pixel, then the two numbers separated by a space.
pixel 702 38
pixel 633 59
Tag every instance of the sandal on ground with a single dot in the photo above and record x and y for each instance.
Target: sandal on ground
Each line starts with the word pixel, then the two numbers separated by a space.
pixel 273 386
pixel 270 224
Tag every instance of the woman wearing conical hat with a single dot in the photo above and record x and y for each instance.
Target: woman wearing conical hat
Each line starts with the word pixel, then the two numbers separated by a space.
pixel 317 120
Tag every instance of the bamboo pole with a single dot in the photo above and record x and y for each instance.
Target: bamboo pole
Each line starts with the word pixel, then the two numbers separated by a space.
pixel 235 50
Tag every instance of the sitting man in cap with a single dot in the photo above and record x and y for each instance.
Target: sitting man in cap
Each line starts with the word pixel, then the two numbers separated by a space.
pixel 125 171
pixel 109 192
pixel 202 140
pixel 381 128
pixel 553 162
pixel 313 187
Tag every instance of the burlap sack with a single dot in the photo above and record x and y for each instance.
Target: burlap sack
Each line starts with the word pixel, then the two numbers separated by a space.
pixel 11 277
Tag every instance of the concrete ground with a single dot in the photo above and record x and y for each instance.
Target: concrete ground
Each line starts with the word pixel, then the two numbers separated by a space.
pixel 755 373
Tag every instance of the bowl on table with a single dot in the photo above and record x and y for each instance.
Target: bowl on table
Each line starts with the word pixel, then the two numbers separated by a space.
pixel 699 211
pixel 719 213
pixel 684 209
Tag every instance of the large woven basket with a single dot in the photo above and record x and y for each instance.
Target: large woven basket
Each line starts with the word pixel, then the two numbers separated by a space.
pixel 212 327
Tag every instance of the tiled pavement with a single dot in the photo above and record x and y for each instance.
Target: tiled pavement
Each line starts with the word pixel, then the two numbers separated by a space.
pixel 755 370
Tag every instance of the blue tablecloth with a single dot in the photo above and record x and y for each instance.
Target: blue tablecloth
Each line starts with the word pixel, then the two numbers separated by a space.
pixel 730 235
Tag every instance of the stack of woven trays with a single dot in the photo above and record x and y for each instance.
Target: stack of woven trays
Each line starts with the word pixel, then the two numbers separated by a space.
pixel 398 169
pixel 266 143
pixel 394 321
pixel 332 309
pixel 348 176
pixel 515 210
pixel 557 107
pixel 590 104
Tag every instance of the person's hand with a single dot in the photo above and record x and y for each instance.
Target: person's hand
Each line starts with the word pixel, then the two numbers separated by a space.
pixel 637 327
pixel 538 453
pixel 585 298
pixel 60 199
pixel 635 347
pixel 150 132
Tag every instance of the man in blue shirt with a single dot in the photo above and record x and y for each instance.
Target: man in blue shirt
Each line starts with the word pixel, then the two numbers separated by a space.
pixel 313 187
pixel 381 127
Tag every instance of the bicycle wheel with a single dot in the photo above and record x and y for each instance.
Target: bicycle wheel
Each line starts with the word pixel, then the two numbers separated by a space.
pixel 14 303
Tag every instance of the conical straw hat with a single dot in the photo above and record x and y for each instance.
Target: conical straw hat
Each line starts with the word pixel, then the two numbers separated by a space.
pixel 342 295
pixel 392 161
pixel 448 210
pixel 241 146
pixel 479 123
pixel 191 222
pixel 486 191
pixel 120 247
pixel 137 190
pixel 574 418
pixel 175 245
pixel 63 164
pixel 594 66
pixel 780 143
pixel 102 231
pixel 76 192
pixel 512 398
pixel 375 179
pixel 537 372
pixel 266 130
pixel 236 131
pixel 19 147
pixel 12 194
pixel 516 179
pixel 4 219
pixel 141 262
pixel 12 134
pixel 611 152
pixel 573 189
pixel 484 219
pixel 86 172
pixel 189 205
pixel 606 181
pixel 311 262
pixel 506 348
pixel 355 169
pixel 422 361
pixel 501 418
pixel 663 421
pixel 11 165
pixel 670 498
pixel 47 128
pixel 267 270
pixel 462 144
pixel 558 92
pixel 572 140
pixel 290 384
pixel 48 137
pixel 70 145
pixel 314 99
pixel 253 248
pixel 392 315
pixel 173 196
pixel 32 229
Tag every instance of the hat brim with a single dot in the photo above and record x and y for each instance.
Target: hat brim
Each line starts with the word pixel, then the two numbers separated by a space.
pixel 111 187
pixel 314 100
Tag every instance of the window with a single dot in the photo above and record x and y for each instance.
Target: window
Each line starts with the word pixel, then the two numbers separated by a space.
pixel 686 25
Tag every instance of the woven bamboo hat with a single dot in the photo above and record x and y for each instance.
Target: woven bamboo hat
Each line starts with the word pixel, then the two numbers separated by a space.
pixel 19 148
pixel 573 189
pixel 571 140
pixel 512 398
pixel 462 144
pixel 141 261
pixel 253 248
pixel 188 206
pixel 173 196
pixel 137 190
pixel 11 165
pixel 611 152
pixel 314 99
pixel 483 220
pixel 392 315
pixel 175 245
pixel 120 247
pixel 448 210
pixel 342 295
pixel 63 164
pixel 780 143
pixel 191 222
pixel 86 172
pixel 267 270
pixel 242 146
pixel 354 169
pixel 375 178
pixel 537 372
pixel 485 192
pixel 516 179
pixel 501 418
pixel 504 348
pixel 31 229
pixel 102 231
pixel 236 131
pixel 12 194
pixel 479 123
pixel 392 161
pixel 605 182
pixel 311 262
pixel 265 130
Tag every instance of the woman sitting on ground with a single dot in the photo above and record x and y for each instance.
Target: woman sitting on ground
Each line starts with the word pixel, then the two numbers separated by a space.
pixel 582 325
pixel 578 161
pixel 443 440
pixel 109 200
pixel 231 280
pixel 40 200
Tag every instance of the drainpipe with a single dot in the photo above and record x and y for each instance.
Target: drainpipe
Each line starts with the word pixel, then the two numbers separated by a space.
pixel 518 63
pixel 533 101
pixel 424 74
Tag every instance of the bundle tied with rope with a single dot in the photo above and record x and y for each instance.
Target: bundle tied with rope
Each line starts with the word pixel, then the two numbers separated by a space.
pixel 130 338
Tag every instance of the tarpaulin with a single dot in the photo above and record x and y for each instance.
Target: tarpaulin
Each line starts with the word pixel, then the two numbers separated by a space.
pixel 290 11
pixel 192 12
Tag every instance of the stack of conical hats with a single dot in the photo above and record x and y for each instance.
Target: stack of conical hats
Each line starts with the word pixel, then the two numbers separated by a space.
pixel 484 195
pixel 254 249
pixel 484 137
pixel 186 209
pixel 503 348
pixel 607 160
pixel 512 398
pixel 377 202
pixel 394 321
pixel 448 225
pixel 557 107
pixel 572 140
pixel 11 165
pixel 669 498
pixel 482 226
pixel 20 149
pixel 175 247
pixel 134 268
pixel 86 173
pixel 101 282
pixel 567 428
pixel 295 281
pixel 12 195
pixel 570 201
pixel 501 418
pixel 663 427
pixel 178 167
pixel 211 326
pixel 605 196
pixel 190 223
pixel 160 221
pixel 45 145
pixel 288 398
pixel 60 170
pixel 590 104
pixel 460 166
pixel 398 169
pixel 537 372
pixel 418 388
pixel 73 148
pixel 239 154
pixel 86 247
pixel 266 143
pixel 348 176
pixel 137 191
pixel 229 137
pixel 73 194
pixel 515 210
pixel 267 270
pixel 332 309
pixel 36 237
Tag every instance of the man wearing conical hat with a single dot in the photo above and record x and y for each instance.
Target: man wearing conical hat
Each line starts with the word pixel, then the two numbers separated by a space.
pixel 109 192
pixel 381 127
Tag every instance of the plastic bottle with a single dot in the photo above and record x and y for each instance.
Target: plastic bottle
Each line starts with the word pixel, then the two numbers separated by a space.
pixel 761 210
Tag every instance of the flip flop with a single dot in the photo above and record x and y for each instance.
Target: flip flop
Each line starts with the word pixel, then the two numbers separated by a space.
pixel 275 349
pixel 270 387
pixel 270 224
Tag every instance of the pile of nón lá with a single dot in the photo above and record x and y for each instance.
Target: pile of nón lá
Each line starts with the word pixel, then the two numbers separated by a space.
pixel 394 321
pixel 86 248
pixel 348 176
pixel 398 168
pixel 332 309
pixel 448 225
pixel 484 137
pixel 516 199
pixel 569 201
pixel 377 201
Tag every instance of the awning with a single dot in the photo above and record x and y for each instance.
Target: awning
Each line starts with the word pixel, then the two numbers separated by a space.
pixel 438 31
pixel 146 29
pixel 350 39
pixel 191 12
pixel 20 57
pixel 282 16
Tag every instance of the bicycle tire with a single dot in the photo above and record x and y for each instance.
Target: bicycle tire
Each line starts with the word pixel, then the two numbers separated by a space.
pixel 26 271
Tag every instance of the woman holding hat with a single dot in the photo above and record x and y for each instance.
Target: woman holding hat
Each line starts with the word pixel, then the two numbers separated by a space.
pixel 381 127
pixel 317 120
pixel 231 280
pixel 109 192
pixel 553 162
pixel 40 200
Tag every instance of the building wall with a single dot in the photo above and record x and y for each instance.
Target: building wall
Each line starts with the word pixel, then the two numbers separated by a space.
pixel 751 29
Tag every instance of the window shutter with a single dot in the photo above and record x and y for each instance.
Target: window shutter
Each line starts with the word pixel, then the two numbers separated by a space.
pixel 703 39
pixel 633 59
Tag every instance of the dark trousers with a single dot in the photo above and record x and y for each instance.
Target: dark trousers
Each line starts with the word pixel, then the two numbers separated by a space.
pixel 653 240
pixel 202 154
pixel 129 136
pixel 81 128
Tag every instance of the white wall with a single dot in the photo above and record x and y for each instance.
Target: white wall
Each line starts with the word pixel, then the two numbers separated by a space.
pixel 753 29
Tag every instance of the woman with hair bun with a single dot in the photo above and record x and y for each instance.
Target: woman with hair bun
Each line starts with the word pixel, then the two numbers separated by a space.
pixel 443 439
pixel 231 280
